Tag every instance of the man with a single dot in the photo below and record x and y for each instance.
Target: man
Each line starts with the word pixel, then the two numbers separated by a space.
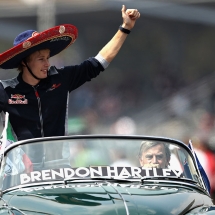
pixel 154 154
pixel 37 99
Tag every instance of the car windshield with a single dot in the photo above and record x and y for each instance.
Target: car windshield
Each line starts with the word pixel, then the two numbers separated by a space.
pixel 57 159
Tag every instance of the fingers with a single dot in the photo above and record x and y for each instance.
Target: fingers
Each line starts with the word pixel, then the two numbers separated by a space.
pixel 123 9
pixel 133 13
pixel 129 17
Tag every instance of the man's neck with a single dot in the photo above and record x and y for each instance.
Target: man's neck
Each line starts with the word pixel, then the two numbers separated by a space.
pixel 29 79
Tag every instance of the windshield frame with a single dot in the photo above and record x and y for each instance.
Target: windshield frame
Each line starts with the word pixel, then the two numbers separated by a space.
pixel 128 137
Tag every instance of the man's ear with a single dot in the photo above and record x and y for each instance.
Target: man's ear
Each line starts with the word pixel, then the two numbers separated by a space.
pixel 141 163
pixel 168 163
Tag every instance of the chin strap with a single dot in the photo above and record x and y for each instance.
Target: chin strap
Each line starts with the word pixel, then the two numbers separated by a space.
pixel 31 71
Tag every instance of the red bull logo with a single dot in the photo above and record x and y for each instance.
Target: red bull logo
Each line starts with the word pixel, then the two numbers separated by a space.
pixel 17 99
pixel 54 86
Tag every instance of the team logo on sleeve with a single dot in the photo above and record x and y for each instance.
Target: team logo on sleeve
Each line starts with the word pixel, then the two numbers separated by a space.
pixel 17 99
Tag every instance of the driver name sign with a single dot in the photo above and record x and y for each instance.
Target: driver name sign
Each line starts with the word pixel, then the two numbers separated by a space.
pixel 95 172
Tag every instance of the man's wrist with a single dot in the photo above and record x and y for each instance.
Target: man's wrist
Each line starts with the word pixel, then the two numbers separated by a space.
pixel 124 30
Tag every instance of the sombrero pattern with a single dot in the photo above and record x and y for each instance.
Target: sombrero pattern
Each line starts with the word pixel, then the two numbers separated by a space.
pixel 55 39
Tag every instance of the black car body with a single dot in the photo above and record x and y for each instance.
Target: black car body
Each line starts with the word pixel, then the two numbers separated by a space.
pixel 100 175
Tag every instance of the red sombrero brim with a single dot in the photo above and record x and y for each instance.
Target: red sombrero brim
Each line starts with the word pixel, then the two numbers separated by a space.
pixel 55 39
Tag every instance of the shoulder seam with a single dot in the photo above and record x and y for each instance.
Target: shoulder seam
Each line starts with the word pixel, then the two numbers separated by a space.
pixel 10 83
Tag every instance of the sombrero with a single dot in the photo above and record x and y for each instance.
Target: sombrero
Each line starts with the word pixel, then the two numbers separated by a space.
pixel 55 39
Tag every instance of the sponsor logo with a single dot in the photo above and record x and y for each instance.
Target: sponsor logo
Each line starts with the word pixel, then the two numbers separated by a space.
pixel 54 86
pixel 17 99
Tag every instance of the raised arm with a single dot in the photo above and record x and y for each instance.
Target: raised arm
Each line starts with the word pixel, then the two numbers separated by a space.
pixel 110 50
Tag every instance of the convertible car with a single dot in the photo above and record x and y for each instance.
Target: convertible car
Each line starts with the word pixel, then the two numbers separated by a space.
pixel 102 175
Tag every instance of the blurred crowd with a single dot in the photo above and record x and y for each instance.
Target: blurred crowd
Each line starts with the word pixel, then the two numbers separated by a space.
pixel 184 112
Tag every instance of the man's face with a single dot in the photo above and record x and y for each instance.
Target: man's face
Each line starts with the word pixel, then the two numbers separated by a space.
pixel 39 63
pixel 154 157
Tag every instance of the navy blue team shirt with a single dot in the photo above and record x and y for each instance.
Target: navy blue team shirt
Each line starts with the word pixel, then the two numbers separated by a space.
pixel 41 111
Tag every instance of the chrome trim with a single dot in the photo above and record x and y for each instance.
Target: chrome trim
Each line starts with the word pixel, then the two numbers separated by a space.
pixel 193 152
pixel 168 183
pixel 126 207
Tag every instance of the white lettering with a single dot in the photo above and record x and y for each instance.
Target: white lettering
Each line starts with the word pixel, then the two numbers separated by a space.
pixel 178 174
pixel 54 173
pixel 113 185
pixel 106 171
pixel 166 172
pixel 46 174
pixel 135 171
pixel 48 187
pixel 24 178
pixel 114 171
pixel 155 171
pixel 100 184
pixel 10 101
pixel 135 186
pixel 83 185
pixel 166 188
pixel 69 186
pixel 58 186
pixel 68 172
pixel 150 188
pixel 147 170
pixel 94 171
pixel 27 189
pixel 124 173
pixel 38 188
pixel 87 172
pixel 124 185
pixel 35 176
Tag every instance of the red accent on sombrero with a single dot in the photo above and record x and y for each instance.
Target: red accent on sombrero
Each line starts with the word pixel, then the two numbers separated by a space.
pixel 26 44
pixel 56 39
pixel 35 33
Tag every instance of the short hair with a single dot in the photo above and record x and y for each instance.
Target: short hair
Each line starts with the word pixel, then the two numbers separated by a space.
pixel 145 145
pixel 20 66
